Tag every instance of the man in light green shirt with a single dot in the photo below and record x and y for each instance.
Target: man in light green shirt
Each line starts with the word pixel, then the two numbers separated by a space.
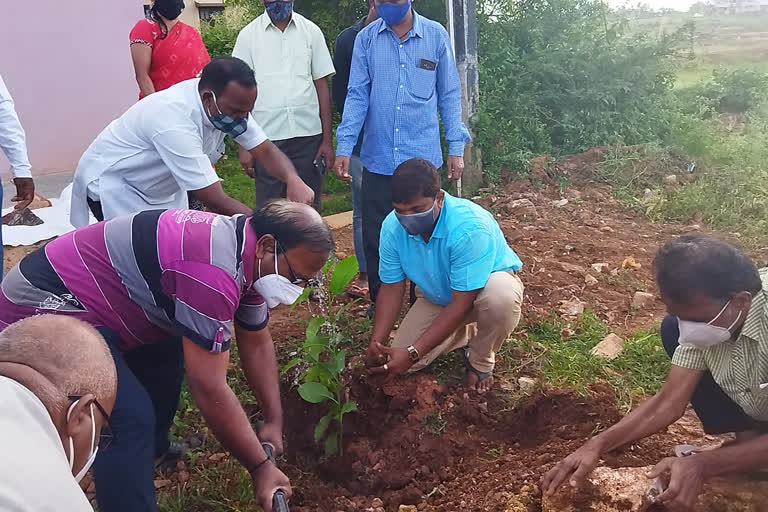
pixel 717 335
pixel 292 64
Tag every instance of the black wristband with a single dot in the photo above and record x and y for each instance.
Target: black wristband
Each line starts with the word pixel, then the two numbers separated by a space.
pixel 258 466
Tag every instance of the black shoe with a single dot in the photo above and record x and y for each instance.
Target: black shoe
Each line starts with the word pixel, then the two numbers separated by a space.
pixel 176 451
pixel 371 311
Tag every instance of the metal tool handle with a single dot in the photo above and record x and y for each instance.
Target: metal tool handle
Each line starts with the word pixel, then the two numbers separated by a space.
pixel 279 501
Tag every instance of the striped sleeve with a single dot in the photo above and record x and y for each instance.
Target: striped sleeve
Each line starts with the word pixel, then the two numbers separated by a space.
pixel 205 298
pixel 252 314
pixel 689 357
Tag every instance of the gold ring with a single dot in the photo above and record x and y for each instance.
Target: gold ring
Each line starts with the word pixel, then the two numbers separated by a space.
pixel 386 367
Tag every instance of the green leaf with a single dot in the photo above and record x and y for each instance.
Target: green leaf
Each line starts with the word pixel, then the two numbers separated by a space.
pixel 339 361
pixel 313 351
pixel 314 326
pixel 347 407
pixel 304 297
pixel 292 363
pixel 321 427
pixel 319 372
pixel 331 445
pixel 314 392
pixel 343 273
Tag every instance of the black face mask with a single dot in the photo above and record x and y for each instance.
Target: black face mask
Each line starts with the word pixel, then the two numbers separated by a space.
pixel 169 9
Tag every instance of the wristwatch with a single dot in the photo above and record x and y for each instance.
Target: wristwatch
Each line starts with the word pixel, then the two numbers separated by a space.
pixel 413 353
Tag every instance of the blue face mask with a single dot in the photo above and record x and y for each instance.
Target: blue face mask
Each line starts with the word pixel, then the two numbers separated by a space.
pixel 232 126
pixel 417 223
pixel 279 10
pixel 392 14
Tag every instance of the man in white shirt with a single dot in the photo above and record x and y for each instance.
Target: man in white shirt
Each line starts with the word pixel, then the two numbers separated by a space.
pixel 14 144
pixel 290 58
pixel 165 145
pixel 57 389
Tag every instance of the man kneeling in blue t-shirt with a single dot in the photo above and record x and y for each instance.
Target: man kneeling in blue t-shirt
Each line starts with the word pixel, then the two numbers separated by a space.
pixel 468 295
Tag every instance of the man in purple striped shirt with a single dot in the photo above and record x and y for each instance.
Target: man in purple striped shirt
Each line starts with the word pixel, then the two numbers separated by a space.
pixel 166 288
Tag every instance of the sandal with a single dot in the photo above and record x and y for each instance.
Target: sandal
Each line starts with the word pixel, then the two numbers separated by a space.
pixel 481 376
pixel 358 292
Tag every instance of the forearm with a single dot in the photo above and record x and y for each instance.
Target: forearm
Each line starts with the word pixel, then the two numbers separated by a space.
pixel 449 319
pixel 275 162
pixel 146 87
pixel 225 205
pixel 228 422
pixel 736 458
pixel 326 109
pixel 257 355
pixel 388 305
pixel 650 417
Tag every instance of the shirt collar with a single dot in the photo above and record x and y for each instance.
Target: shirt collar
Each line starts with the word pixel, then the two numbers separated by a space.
pixel 417 25
pixel 206 122
pixel 755 327
pixel 266 22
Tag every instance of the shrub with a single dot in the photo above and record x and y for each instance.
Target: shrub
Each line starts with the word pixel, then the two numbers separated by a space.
pixel 728 91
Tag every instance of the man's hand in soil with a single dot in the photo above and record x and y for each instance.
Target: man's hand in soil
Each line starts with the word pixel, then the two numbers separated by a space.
pixel 267 480
pixel 272 433
pixel 374 356
pixel 399 363
pixel 686 480
pixel 577 466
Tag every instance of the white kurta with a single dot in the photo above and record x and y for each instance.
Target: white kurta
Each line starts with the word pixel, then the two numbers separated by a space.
pixel 151 156
pixel 34 473
pixel 13 140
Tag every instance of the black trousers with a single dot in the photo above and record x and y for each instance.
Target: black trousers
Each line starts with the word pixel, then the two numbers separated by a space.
pixel 301 151
pixel 149 382
pixel 377 204
pixel 717 412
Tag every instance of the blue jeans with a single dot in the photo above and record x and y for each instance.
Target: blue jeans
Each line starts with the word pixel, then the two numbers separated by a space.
pixel 356 171
pixel 148 386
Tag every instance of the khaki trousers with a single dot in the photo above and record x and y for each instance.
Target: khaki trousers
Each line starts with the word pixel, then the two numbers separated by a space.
pixel 495 315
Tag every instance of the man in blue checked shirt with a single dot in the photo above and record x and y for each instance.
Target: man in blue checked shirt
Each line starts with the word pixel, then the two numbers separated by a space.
pixel 468 295
pixel 403 73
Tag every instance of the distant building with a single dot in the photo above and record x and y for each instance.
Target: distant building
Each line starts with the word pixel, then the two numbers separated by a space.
pixel 197 10
pixel 740 6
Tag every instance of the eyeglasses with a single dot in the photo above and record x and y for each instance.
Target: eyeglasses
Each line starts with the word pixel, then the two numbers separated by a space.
pixel 106 437
pixel 294 278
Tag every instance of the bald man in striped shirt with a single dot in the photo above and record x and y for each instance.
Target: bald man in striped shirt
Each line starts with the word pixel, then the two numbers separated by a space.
pixel 166 289
pixel 716 333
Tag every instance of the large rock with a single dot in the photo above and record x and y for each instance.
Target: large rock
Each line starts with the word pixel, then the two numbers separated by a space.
pixel 642 300
pixel 624 490
pixel 609 348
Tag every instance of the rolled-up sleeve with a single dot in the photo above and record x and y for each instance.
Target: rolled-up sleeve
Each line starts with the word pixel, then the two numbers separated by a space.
pixel 357 102
pixel 13 140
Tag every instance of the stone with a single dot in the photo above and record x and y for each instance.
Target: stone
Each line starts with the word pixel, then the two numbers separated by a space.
pixel 573 194
pixel 159 484
pixel 590 280
pixel 571 268
pixel 601 267
pixel 607 229
pixel 376 503
pixel 642 300
pixel 339 220
pixel 560 203
pixel 407 508
pixel 609 348
pixel 670 179
pixel 523 205
pixel 573 307
pixel 630 263
pixel 217 457
pixel 625 490
pixel 527 384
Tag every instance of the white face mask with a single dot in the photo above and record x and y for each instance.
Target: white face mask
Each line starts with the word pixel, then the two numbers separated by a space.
pixel 275 288
pixel 94 447
pixel 705 335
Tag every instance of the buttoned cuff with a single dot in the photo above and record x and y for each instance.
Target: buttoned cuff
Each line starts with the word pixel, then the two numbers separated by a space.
pixel 344 149
pixel 456 148
pixel 22 172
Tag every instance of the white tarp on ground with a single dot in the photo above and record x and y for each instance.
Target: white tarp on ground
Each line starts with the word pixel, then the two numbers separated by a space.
pixel 55 222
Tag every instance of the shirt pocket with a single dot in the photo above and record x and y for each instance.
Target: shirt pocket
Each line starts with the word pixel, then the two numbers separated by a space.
pixel 302 61
pixel 423 82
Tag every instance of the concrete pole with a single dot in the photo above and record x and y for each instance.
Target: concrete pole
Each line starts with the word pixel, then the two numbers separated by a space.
pixel 462 28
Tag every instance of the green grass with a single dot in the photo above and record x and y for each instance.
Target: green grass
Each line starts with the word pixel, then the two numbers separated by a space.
pixel 237 184
pixel 564 360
